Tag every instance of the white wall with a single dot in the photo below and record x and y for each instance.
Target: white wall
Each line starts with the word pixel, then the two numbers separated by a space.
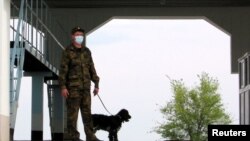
pixel 4 69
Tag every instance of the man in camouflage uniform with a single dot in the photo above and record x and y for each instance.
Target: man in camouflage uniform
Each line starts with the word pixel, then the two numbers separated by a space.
pixel 76 73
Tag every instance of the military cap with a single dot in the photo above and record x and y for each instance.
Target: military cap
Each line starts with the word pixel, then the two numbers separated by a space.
pixel 75 29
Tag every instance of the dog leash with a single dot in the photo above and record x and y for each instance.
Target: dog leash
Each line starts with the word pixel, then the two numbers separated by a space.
pixel 103 104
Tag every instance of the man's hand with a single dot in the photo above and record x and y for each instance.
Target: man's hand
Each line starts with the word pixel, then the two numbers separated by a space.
pixel 64 92
pixel 96 91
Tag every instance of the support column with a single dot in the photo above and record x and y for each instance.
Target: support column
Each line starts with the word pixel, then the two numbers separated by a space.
pixel 4 69
pixel 57 112
pixel 37 107
pixel 37 104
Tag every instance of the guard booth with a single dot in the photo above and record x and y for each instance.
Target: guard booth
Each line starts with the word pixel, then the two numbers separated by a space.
pixel 244 90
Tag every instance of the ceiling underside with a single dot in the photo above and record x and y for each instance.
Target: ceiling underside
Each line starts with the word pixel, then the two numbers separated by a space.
pixel 144 3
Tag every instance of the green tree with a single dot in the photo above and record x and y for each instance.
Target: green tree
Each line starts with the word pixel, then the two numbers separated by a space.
pixel 192 110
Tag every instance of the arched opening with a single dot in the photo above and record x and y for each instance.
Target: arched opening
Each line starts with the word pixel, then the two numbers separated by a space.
pixel 132 57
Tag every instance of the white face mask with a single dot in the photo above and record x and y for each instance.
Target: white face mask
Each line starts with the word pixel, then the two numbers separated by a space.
pixel 79 39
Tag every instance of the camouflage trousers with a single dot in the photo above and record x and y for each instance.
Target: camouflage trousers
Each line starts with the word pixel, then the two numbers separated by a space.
pixel 79 100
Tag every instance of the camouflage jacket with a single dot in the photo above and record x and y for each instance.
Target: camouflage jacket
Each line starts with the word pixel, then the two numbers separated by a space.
pixel 77 69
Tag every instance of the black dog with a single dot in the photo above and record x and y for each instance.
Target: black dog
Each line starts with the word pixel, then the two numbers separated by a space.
pixel 112 123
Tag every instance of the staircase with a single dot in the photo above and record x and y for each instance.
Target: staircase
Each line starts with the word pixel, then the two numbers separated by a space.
pixel 16 68
pixel 34 48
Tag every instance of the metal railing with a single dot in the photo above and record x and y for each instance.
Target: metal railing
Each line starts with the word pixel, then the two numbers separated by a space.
pixel 41 31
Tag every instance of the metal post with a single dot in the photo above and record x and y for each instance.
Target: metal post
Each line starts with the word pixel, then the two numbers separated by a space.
pixel 37 104
pixel 4 69
pixel 56 106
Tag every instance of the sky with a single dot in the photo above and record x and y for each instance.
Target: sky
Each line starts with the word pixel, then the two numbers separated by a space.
pixel 132 58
